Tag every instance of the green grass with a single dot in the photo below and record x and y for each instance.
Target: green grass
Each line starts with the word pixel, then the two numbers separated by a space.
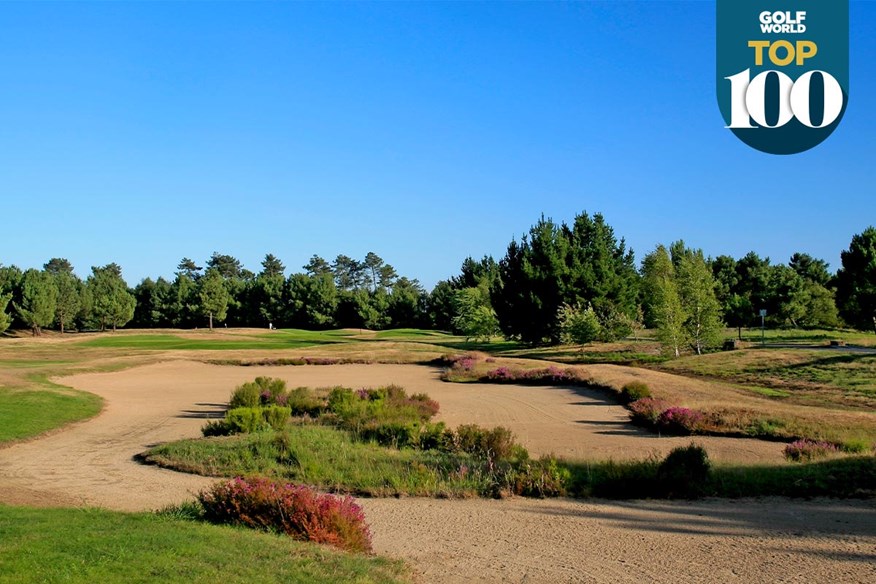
pixel 324 457
pixel 839 478
pixel 804 337
pixel 810 377
pixel 27 413
pixel 89 545
pixel 164 342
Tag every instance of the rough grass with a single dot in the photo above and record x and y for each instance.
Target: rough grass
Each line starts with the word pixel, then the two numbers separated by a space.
pixel 324 457
pixel 807 377
pixel 89 545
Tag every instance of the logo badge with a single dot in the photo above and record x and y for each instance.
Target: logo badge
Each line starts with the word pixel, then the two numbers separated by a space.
pixel 782 71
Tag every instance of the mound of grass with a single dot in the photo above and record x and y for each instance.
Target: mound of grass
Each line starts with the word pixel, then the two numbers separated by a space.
pixel 89 545
pixel 28 413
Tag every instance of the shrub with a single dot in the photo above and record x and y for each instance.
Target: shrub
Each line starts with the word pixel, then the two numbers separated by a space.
pixel 635 390
pixel 677 420
pixel 684 472
pixel 216 428
pixel 303 401
pixel 805 450
pixel 298 511
pixel 541 478
pixel 247 395
pixel 276 417
pixel 260 391
pixel 245 420
pixel 495 444
pixel 645 411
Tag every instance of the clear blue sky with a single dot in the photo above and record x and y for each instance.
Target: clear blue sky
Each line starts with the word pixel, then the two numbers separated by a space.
pixel 142 133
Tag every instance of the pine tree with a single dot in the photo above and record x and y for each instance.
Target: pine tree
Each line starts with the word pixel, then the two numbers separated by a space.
pixel 213 296
pixel 38 300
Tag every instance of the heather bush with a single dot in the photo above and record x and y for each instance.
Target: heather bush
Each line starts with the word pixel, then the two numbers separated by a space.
pixel 806 450
pixel 645 411
pixel 304 401
pixel 635 390
pixel 678 420
pixel 684 472
pixel 276 417
pixel 260 391
pixel 540 478
pixel 245 420
pixel 247 395
pixel 494 444
pixel 298 511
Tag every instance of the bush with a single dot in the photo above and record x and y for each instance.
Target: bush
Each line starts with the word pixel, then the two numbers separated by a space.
pixel 541 478
pixel 806 450
pixel 216 428
pixel 276 417
pixel 645 411
pixel 297 511
pixel 635 390
pixel 303 401
pixel 677 420
pixel 684 472
pixel 247 395
pixel 495 444
pixel 261 391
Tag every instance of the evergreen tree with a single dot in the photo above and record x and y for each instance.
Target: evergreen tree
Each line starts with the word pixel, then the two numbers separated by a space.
pixel 856 281
pixel 38 300
pixel 213 296
pixel 69 289
pixel 111 303
pixel 5 318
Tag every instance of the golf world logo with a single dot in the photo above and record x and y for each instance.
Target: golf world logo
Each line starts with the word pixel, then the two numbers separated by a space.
pixel 782 71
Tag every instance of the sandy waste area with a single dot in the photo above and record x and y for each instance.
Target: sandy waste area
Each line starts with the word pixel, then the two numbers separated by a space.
pixel 516 540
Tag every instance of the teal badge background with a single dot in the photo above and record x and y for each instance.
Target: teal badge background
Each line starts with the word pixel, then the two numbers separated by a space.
pixel 738 22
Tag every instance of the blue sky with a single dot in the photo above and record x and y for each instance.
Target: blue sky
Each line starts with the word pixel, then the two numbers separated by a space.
pixel 141 133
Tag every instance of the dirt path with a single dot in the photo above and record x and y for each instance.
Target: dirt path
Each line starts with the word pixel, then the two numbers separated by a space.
pixel 462 541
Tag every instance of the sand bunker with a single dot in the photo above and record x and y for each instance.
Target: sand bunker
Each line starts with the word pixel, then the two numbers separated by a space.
pixel 91 463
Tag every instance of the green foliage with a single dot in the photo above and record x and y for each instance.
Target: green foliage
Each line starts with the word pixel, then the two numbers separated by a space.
pixel 246 395
pixel 578 325
pixel 39 298
pixel 213 295
pixel 635 390
pixel 474 318
pixel 856 281
pixel 559 264
pixel 245 420
pixel 684 472
pixel 303 401
pixel 69 289
pixel 663 300
pixel 5 318
pixel 111 303
pixel 696 286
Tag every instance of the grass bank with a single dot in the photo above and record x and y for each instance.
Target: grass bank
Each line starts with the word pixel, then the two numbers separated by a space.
pixel 89 545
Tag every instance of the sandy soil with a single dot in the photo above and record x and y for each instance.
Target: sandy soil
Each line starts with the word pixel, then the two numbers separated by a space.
pixel 519 540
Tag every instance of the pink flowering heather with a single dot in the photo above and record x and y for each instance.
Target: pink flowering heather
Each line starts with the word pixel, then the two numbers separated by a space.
pixel 296 510
pixel 805 450
pixel 645 411
pixel 678 420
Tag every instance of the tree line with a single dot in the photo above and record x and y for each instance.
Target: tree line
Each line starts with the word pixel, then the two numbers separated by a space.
pixel 573 282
